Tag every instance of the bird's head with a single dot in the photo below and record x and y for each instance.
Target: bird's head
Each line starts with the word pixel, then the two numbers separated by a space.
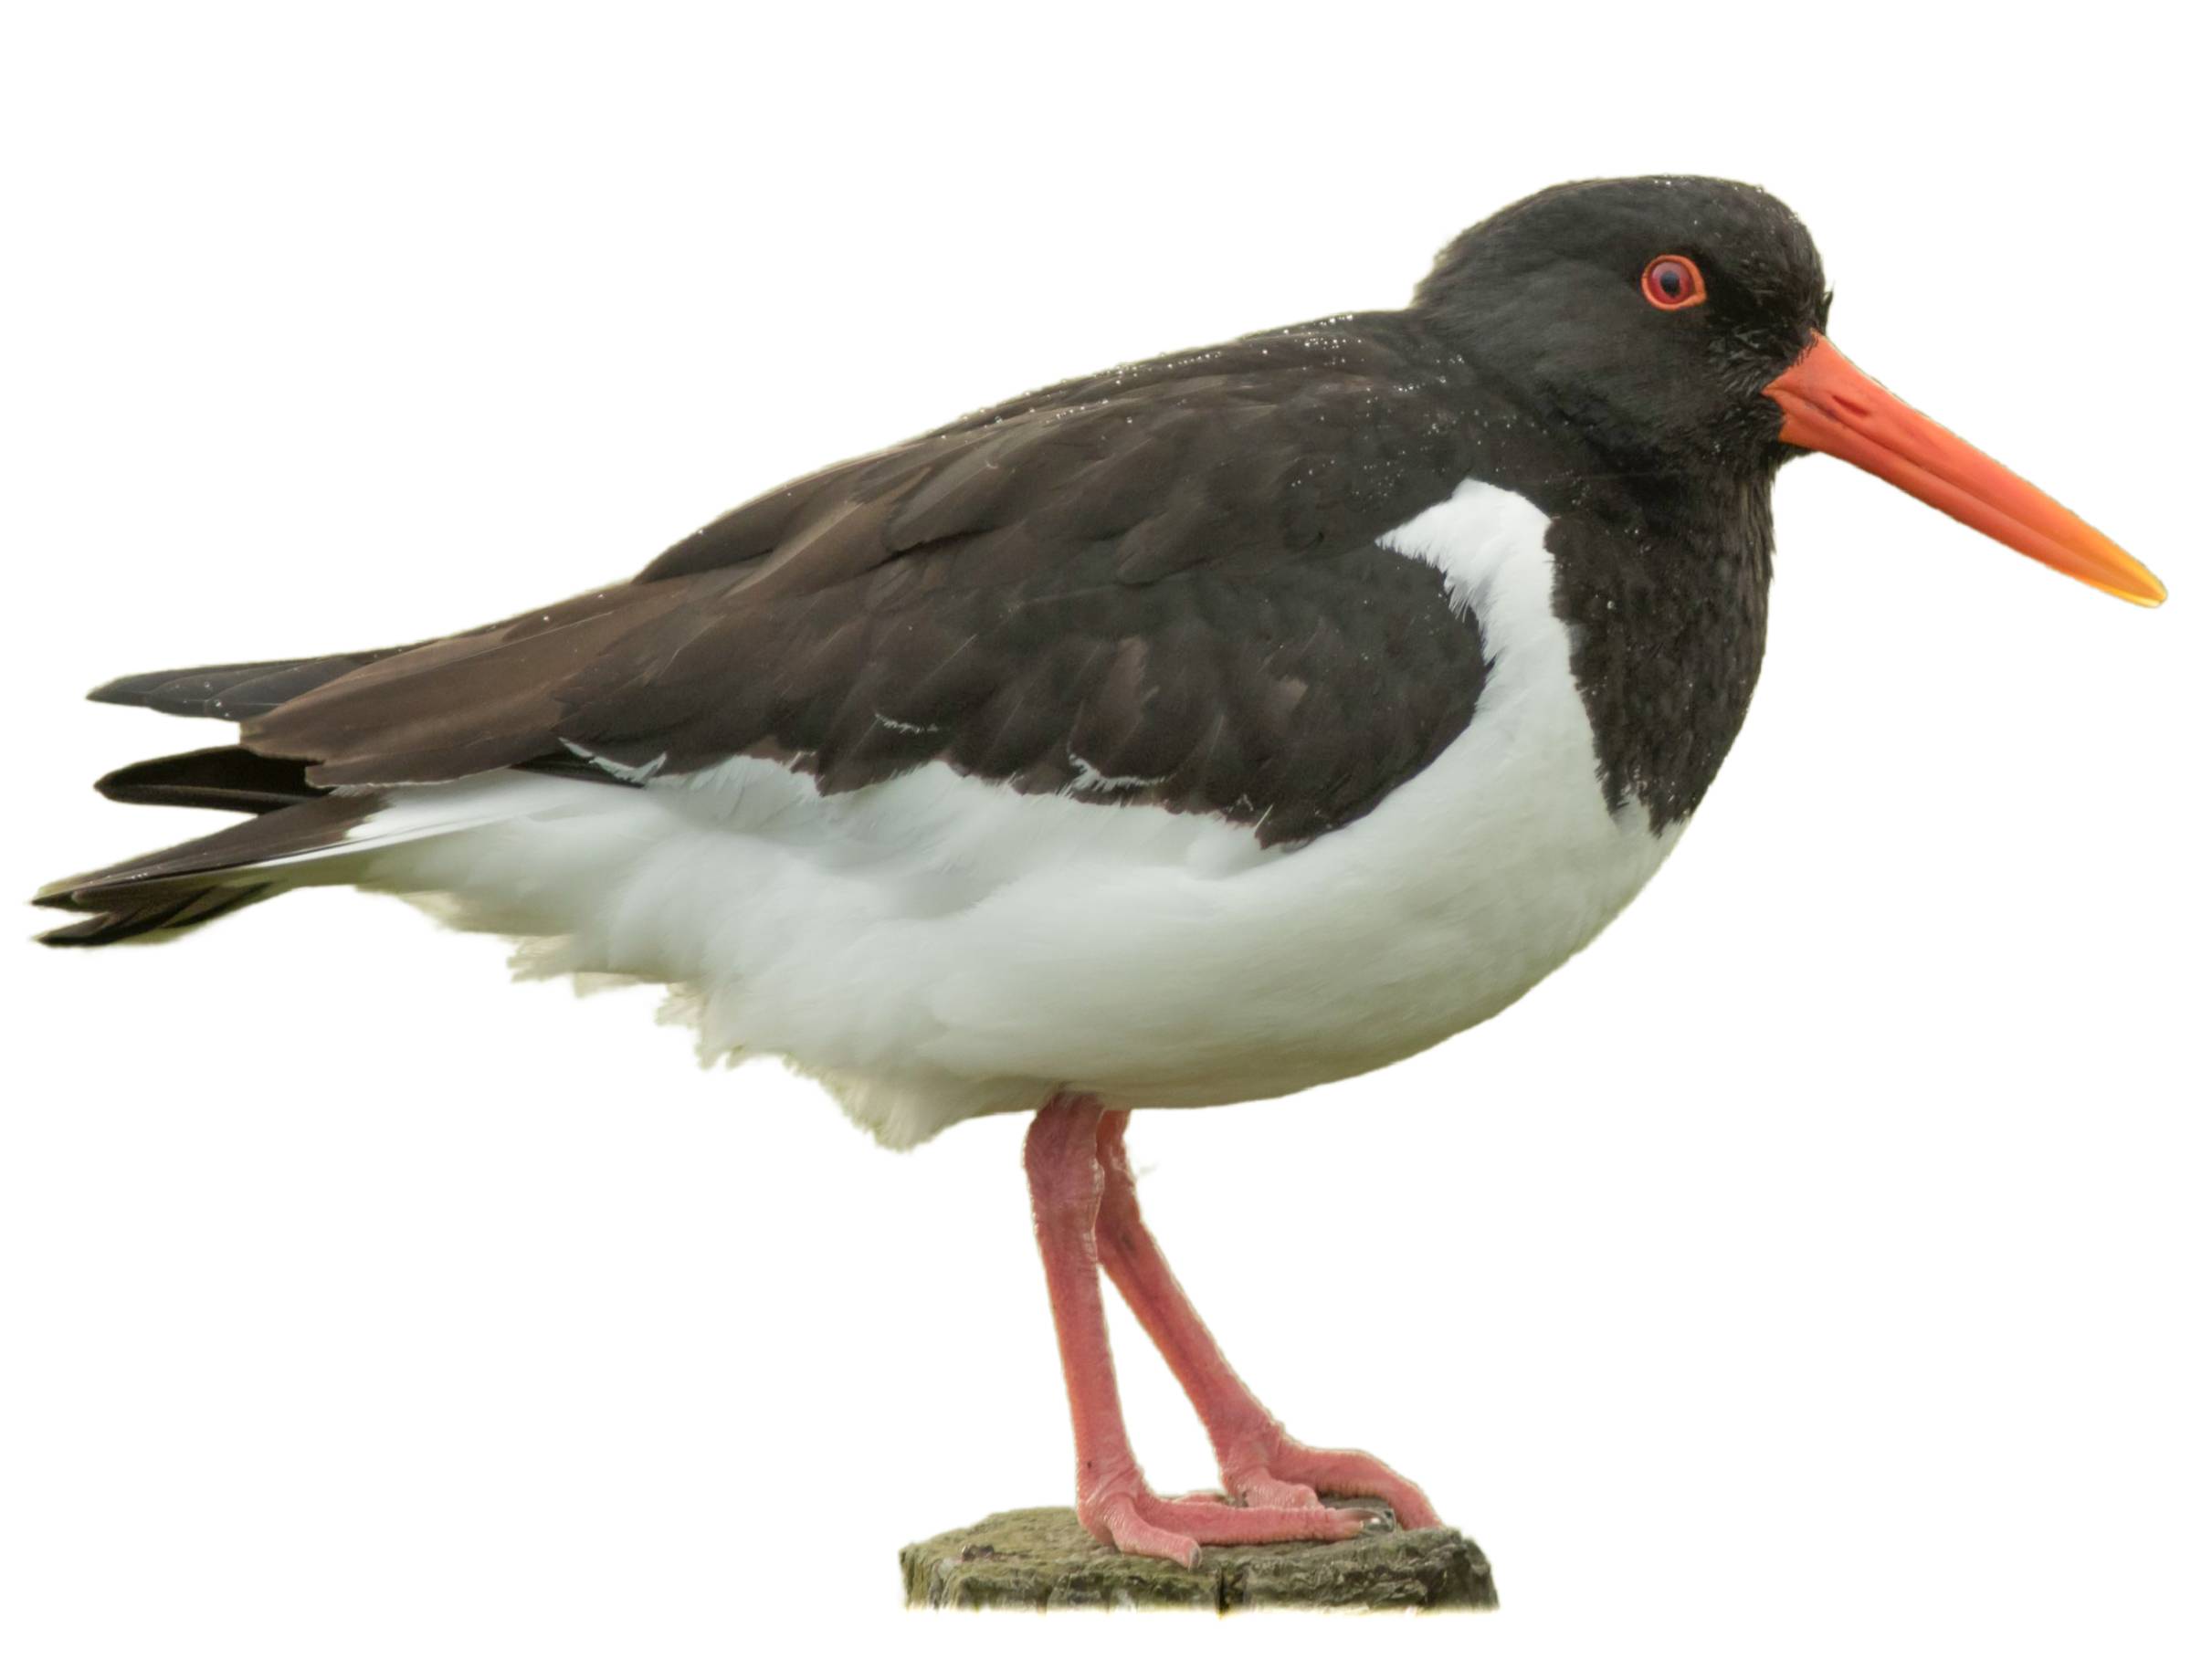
pixel 1679 326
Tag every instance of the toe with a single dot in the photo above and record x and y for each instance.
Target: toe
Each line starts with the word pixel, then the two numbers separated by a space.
pixel 1266 1492
pixel 1356 1475
pixel 1121 1520
pixel 1219 1524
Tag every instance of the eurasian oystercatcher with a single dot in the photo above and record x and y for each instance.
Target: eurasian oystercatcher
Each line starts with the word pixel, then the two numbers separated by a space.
pixel 1194 732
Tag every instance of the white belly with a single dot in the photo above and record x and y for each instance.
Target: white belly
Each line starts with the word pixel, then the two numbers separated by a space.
pixel 935 947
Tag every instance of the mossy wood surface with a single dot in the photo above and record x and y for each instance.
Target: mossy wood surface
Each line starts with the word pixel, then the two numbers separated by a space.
pixel 1041 1559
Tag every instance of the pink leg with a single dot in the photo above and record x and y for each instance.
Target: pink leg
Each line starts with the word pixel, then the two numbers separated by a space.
pixel 1259 1462
pixel 1112 1499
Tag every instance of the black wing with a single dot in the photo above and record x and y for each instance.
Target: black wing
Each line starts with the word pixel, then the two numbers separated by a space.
pixel 1158 585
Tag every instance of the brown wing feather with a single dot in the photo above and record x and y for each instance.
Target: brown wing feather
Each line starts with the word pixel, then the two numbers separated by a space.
pixel 1163 576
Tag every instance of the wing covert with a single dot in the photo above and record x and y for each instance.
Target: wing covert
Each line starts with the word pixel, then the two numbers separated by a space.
pixel 1158 585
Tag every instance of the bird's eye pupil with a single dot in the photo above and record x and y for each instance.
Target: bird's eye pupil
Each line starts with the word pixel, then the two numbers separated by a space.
pixel 1672 282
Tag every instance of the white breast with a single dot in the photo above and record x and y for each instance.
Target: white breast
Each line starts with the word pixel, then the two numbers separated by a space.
pixel 936 947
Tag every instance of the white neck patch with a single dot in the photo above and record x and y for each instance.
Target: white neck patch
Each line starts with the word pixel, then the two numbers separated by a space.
pixel 1489 543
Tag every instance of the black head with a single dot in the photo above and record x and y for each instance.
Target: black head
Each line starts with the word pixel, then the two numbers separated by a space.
pixel 1658 363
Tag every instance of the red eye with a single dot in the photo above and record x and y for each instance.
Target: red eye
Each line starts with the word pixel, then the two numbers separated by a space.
pixel 1672 282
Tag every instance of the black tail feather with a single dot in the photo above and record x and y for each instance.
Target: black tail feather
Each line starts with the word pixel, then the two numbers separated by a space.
pixel 156 913
pixel 226 778
pixel 183 886
pixel 231 691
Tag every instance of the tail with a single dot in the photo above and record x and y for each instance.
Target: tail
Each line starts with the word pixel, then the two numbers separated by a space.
pixel 292 828
pixel 296 833
pixel 292 825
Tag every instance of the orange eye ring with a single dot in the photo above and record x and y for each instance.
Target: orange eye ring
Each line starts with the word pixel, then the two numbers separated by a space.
pixel 1673 282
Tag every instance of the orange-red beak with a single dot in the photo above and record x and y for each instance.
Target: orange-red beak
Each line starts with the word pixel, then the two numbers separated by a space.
pixel 1830 405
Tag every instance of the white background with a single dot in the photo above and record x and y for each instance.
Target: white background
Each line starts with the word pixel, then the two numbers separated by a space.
pixel 1815 1265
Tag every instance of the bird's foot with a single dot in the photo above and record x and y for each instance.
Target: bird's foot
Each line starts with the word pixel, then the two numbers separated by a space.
pixel 1266 1466
pixel 1128 1515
